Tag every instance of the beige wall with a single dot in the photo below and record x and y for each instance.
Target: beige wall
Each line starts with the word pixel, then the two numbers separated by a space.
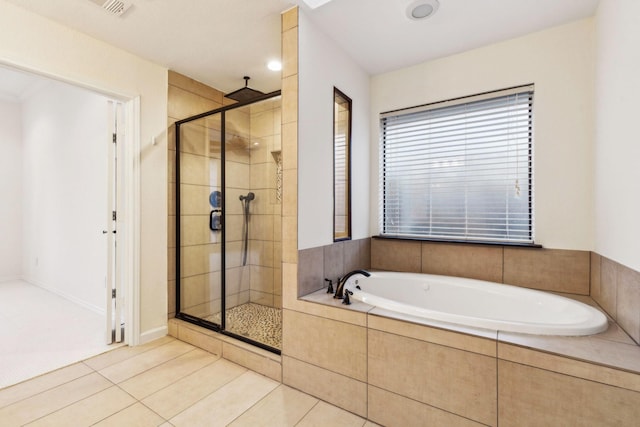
pixel 617 176
pixel 559 61
pixel 36 44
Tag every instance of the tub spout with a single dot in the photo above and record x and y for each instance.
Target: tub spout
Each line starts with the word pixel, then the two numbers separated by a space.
pixel 340 287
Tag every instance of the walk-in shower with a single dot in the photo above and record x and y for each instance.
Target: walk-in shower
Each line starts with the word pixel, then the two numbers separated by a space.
pixel 228 220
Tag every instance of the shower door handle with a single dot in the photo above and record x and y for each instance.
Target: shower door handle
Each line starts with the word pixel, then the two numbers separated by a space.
pixel 215 220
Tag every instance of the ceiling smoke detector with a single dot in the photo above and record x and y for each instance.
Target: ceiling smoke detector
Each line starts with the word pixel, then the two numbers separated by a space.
pixel 422 9
pixel 115 7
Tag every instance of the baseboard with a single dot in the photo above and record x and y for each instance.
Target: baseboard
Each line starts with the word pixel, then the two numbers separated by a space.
pixel 153 334
pixel 99 310
pixel 4 279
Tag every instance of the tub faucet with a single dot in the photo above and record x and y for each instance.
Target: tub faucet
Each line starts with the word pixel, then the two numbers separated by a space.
pixel 340 287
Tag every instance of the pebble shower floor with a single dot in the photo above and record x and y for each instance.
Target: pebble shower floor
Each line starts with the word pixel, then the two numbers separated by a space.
pixel 258 322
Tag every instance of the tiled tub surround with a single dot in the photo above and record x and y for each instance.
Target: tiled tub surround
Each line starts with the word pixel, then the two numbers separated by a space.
pixel 331 261
pixel 398 372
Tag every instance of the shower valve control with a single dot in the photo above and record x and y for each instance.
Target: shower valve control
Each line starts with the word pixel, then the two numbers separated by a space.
pixel 215 220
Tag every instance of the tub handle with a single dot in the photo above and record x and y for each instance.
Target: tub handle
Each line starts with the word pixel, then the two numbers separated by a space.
pixel 346 300
pixel 330 288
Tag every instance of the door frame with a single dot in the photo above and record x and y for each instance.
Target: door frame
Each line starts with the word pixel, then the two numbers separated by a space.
pixel 128 256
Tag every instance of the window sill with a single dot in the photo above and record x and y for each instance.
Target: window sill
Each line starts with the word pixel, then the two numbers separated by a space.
pixel 463 242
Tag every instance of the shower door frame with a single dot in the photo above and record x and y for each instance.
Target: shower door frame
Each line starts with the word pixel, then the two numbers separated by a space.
pixel 223 309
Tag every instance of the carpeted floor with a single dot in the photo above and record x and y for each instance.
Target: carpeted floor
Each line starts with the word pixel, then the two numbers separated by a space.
pixel 258 322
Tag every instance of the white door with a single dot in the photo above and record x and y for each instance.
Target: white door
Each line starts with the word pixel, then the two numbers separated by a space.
pixel 114 295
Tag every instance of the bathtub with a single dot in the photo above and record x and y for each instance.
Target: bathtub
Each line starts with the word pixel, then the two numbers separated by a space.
pixel 477 303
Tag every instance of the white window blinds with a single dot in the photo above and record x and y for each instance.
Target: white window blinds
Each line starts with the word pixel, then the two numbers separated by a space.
pixel 459 170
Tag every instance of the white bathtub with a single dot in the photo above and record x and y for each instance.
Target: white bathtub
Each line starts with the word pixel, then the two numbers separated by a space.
pixel 477 303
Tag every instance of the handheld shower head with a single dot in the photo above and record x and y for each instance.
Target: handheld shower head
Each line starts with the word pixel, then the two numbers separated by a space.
pixel 249 197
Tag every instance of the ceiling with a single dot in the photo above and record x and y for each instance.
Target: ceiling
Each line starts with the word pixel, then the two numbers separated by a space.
pixel 218 42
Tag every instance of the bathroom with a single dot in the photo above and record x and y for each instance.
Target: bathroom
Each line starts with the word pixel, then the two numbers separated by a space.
pixel 589 228
pixel 339 348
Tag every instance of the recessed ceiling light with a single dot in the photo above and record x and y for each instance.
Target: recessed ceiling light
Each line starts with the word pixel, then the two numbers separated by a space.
pixel 274 65
pixel 422 9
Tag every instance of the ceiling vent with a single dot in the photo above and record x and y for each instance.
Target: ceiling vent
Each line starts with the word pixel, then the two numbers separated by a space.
pixel 115 7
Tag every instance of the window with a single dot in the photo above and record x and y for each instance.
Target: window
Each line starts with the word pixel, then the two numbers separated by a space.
pixel 460 169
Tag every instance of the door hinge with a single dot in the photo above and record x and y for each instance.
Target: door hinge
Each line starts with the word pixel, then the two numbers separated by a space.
pixel 114 138
pixel 113 215
pixel 113 293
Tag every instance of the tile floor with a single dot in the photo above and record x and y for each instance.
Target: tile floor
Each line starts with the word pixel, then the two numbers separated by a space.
pixel 163 383
pixel 41 331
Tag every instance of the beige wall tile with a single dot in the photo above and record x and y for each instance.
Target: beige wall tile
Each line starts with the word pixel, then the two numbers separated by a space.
pixel 596 262
pixel 254 360
pixel 396 255
pixel 311 271
pixel 334 261
pixel 290 239
pixel 194 199
pixel 183 104
pixel 290 145
pixel 289 18
pixel 391 409
pixel 194 138
pixel 200 339
pixel 188 84
pixel 486 346
pixel 534 397
pixel 628 301
pixel 290 193
pixel 608 286
pixel 336 389
pixel 290 99
pixel 333 345
pixel 572 367
pixel 548 269
pixel 453 380
pixel 472 261
pixel 290 52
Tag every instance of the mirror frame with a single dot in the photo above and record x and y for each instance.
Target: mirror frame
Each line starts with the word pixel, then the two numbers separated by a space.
pixel 340 99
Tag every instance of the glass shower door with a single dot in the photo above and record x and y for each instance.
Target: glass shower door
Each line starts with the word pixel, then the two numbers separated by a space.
pixel 228 222
pixel 199 229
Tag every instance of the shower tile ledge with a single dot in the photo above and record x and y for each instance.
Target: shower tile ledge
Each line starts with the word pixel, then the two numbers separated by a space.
pixel 244 354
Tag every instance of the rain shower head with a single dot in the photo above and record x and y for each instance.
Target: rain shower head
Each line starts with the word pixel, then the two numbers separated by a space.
pixel 245 93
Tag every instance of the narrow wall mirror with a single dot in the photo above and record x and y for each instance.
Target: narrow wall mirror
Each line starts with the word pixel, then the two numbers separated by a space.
pixel 341 166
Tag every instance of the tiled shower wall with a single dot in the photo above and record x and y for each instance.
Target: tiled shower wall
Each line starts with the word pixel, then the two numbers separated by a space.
pixel 186 97
pixel 265 228
pixel 253 140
